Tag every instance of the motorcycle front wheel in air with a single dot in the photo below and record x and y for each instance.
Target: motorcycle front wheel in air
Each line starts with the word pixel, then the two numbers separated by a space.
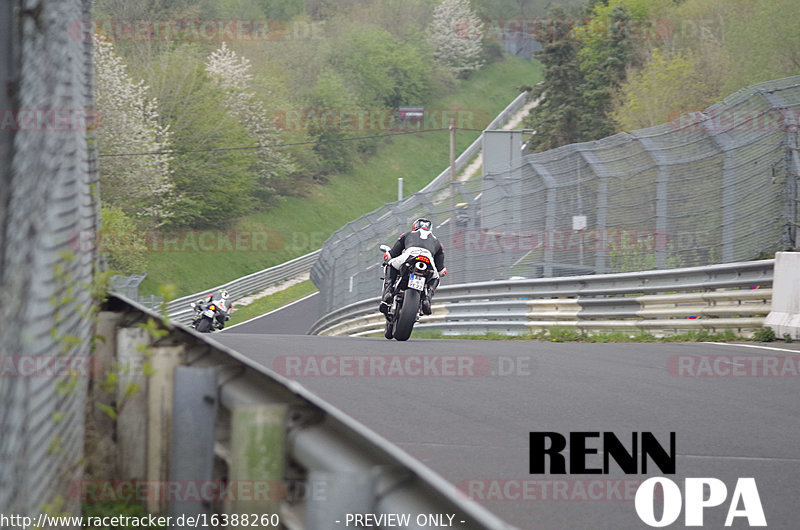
pixel 204 326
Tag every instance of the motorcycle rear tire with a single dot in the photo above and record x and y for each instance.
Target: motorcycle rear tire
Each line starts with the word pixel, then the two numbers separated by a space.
pixel 408 315
pixel 204 326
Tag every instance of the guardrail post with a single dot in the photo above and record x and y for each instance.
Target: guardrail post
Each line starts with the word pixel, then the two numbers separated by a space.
pixel 258 440
pixel 131 403
pixel 144 407
pixel 192 460
pixel 160 389
pixel 103 446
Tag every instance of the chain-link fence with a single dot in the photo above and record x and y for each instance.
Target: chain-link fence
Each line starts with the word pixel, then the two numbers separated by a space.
pixel 47 172
pixel 128 286
pixel 716 186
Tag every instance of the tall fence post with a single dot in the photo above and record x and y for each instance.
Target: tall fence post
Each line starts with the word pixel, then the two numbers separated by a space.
pixel 792 176
pixel 8 80
pixel 662 196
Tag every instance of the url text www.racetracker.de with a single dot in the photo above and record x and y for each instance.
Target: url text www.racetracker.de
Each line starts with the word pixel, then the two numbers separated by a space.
pixel 252 520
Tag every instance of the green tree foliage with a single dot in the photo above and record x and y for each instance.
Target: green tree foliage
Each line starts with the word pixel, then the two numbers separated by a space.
pixel 215 182
pixel 557 119
pixel 605 55
pixel 665 88
pixel 638 63
pixel 129 123
pixel 762 42
pixel 520 8
pixel 368 56
pixel 587 60
pixel 283 10
pixel 715 48
pixel 381 69
pixel 121 242
pixel 232 74
pixel 455 34
pixel 336 156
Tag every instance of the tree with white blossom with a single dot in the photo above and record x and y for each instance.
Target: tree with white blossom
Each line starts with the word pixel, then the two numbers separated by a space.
pixel 232 73
pixel 127 123
pixel 455 34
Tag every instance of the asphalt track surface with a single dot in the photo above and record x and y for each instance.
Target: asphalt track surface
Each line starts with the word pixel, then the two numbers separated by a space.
pixel 294 319
pixel 469 416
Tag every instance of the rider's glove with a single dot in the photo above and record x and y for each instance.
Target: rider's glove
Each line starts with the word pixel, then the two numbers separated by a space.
pixel 443 272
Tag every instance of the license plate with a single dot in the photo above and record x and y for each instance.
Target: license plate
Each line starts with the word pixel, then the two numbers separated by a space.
pixel 209 313
pixel 416 282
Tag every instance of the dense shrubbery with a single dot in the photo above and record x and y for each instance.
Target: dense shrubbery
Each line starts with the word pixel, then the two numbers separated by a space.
pixel 214 109
pixel 655 61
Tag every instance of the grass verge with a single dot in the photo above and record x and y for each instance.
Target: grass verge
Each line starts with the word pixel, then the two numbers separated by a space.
pixel 271 302
pixel 557 334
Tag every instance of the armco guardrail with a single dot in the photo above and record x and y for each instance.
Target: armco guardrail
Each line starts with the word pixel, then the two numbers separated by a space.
pixel 179 310
pixel 221 434
pixel 717 297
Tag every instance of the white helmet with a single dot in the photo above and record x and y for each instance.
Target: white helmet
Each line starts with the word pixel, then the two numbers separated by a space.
pixel 223 294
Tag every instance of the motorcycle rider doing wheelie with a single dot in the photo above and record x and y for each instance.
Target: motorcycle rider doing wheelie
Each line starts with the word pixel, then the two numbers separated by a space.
pixel 420 237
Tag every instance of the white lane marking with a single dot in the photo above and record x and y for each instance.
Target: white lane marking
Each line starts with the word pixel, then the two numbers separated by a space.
pixel 273 311
pixel 795 352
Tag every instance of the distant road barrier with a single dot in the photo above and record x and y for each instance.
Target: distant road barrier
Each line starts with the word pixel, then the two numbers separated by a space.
pixel 733 296
pixel 180 311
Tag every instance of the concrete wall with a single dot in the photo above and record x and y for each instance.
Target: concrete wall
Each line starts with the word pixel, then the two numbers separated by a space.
pixel 785 315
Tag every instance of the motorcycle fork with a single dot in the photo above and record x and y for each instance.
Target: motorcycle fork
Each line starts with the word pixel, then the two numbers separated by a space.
pixel 397 301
